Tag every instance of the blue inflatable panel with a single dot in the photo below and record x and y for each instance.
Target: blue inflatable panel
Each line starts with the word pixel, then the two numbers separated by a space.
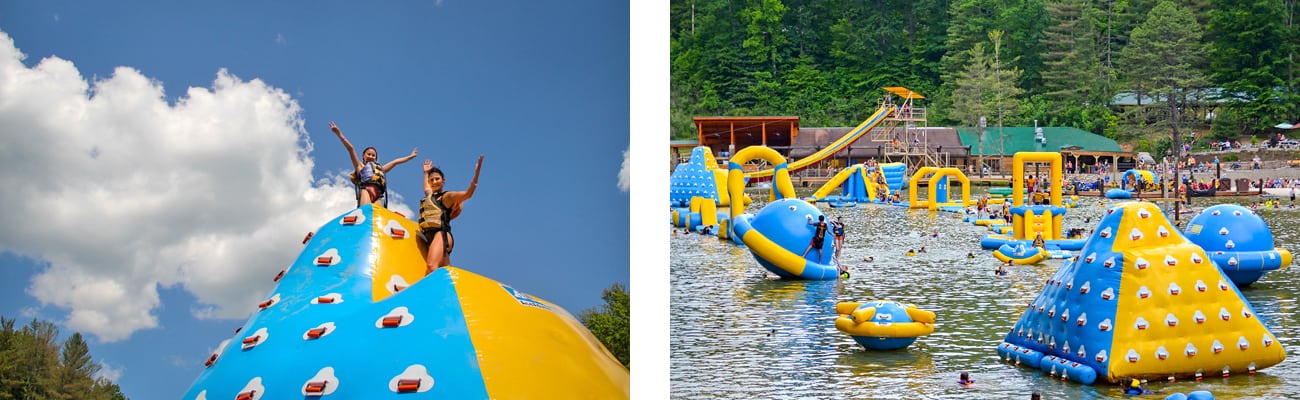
pixel 1118 193
pixel 1057 366
pixel 1017 355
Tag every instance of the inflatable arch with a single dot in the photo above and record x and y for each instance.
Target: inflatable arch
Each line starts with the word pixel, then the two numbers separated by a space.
pixel 1019 221
pixel 736 175
pixel 932 203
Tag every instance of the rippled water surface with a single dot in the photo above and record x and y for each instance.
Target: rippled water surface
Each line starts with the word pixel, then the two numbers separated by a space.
pixel 736 332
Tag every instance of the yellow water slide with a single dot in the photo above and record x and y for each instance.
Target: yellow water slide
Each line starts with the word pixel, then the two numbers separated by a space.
pixel 835 182
pixel 835 147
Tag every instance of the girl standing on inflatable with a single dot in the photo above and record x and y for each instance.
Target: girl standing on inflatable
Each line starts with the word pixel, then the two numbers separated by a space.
pixel 367 173
pixel 437 209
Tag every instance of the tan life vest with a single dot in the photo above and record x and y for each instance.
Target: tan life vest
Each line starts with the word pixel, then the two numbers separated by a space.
pixel 433 215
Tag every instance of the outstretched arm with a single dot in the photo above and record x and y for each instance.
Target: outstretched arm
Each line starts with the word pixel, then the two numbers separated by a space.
pixel 391 164
pixel 356 163
pixel 424 178
pixel 456 198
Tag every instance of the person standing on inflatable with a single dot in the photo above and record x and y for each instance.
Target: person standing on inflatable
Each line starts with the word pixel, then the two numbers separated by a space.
pixel 437 209
pixel 367 173
pixel 819 236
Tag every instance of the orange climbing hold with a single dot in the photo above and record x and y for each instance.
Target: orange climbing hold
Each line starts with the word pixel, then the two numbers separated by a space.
pixel 316 387
pixel 316 333
pixel 392 321
pixel 408 385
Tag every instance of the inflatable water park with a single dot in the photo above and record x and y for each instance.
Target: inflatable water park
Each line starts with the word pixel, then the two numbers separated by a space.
pixel 1133 298
pixel 355 317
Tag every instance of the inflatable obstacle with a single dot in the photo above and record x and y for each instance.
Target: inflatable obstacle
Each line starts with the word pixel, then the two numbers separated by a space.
pixel 780 233
pixel 699 177
pixel 857 183
pixel 883 325
pixel 355 317
pixel 1141 302
pixel 1021 254
pixel 1238 241
pixel 938 189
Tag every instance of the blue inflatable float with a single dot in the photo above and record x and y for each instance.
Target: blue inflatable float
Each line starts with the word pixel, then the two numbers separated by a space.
pixel 1238 241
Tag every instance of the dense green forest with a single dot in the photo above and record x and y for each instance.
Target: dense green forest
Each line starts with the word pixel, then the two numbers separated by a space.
pixel 1060 62
pixel 33 365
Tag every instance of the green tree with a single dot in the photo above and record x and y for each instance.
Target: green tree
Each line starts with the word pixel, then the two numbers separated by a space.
pixel 611 323
pixel 1249 56
pixel 33 367
pixel 1072 71
pixel 766 32
pixel 986 90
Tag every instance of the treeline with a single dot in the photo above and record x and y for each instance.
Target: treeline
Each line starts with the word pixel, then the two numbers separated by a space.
pixel 1059 62
pixel 34 366
pixel 611 323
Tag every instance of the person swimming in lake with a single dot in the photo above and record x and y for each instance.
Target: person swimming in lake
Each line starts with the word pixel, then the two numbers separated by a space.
pixel 910 253
pixel 965 379
pixel 1133 386
pixel 970 255
pixel 1001 270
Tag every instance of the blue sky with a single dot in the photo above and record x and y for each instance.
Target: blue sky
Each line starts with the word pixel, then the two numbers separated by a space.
pixel 173 154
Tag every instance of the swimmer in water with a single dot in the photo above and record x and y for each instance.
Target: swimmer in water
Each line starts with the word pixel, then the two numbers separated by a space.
pixel 869 259
pixel 965 379
pixel 970 255
pixel 910 253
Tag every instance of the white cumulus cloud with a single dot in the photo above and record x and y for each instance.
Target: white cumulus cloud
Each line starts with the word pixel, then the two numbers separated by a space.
pixel 624 177
pixel 109 372
pixel 119 192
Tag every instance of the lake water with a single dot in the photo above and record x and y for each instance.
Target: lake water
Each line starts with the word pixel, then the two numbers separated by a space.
pixel 737 332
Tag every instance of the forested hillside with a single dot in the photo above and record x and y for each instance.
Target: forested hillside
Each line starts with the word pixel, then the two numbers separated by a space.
pixel 34 365
pixel 1056 61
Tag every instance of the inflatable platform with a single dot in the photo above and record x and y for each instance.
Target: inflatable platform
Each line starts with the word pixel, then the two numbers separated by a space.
pixel 354 317
pixel 1144 302
pixel 883 325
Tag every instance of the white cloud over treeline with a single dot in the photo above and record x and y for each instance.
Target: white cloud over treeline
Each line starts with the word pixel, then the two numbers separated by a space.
pixel 119 192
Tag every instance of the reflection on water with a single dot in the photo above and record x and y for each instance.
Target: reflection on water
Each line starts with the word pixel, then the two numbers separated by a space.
pixel 738 333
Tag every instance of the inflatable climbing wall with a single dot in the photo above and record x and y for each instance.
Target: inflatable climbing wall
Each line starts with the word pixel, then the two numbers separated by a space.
pixel 697 178
pixel 1141 301
pixel 354 317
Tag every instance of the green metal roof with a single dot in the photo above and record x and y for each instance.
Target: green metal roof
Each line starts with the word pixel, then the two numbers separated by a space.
pixel 1016 139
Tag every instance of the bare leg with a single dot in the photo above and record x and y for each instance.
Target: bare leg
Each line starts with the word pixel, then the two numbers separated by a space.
pixel 435 257
pixel 366 197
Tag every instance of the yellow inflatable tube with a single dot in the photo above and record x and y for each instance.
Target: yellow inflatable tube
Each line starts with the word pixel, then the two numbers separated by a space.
pixel 886 329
